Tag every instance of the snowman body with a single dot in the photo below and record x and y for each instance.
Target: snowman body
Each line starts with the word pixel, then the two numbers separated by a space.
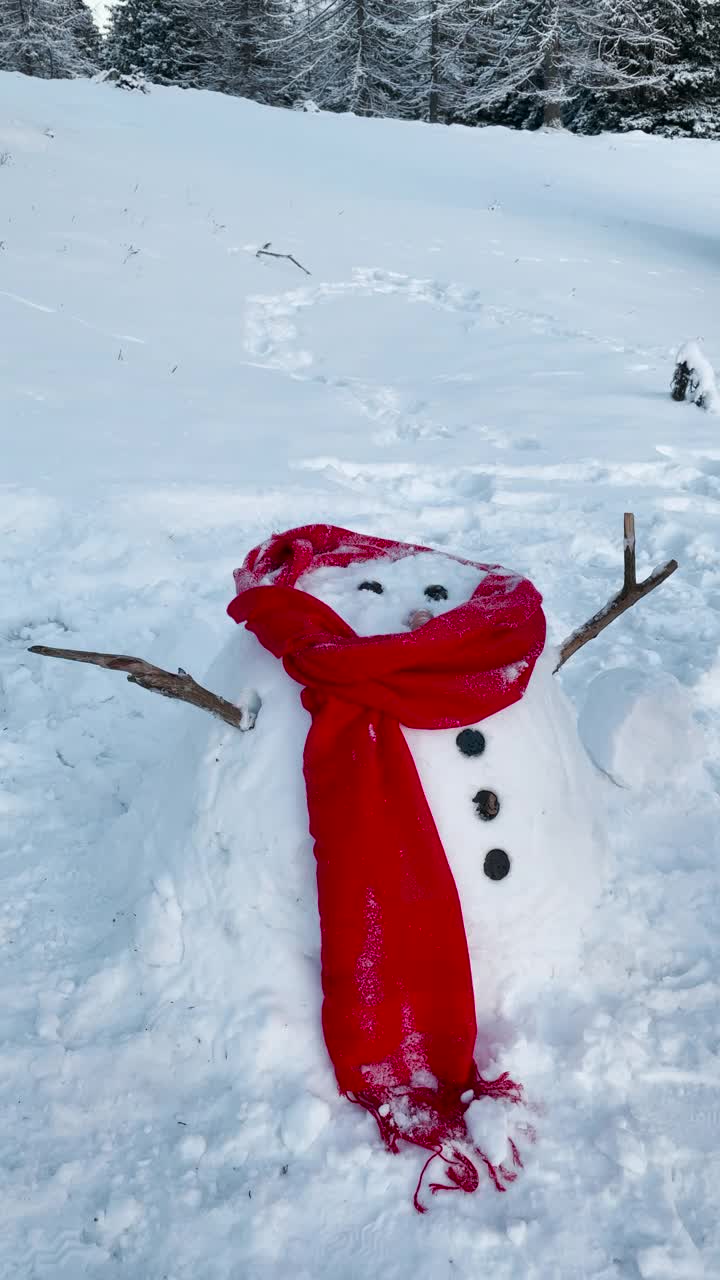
pixel 227 934
pixel 513 797
pixel 529 865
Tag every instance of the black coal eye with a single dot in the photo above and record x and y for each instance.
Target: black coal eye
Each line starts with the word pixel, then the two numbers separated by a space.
pixel 436 592
pixel 369 585
pixel 496 865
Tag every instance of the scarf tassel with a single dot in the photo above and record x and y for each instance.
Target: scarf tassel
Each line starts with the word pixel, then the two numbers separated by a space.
pixel 445 1134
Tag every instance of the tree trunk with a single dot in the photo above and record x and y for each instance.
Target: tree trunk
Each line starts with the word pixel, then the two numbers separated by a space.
pixel 552 86
pixel 552 115
pixel 434 97
pixel 362 86
pixel 245 48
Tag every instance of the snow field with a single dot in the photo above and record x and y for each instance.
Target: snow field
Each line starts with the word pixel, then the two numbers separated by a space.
pixel 481 361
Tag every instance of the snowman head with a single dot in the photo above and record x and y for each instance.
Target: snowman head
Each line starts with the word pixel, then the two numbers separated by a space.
pixel 389 594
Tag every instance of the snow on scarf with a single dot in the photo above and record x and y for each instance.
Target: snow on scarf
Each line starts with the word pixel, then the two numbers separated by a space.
pixel 398 1011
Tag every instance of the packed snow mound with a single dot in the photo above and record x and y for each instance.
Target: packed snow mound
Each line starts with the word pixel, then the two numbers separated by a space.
pixel 639 728
pixel 226 918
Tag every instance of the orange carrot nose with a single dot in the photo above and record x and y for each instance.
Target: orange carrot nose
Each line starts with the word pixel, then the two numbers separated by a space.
pixel 418 618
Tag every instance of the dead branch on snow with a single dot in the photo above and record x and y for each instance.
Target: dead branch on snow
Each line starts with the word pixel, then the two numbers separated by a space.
pixel 265 252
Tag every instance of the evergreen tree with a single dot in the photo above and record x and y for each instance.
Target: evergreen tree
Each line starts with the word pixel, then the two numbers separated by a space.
pixel 159 39
pixel 86 36
pixel 366 56
pixel 544 57
pixel 53 39
pixel 686 100
pixel 585 64
pixel 460 58
pixel 255 49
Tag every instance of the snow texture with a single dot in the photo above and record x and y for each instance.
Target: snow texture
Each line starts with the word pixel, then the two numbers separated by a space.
pixel 632 723
pixel 478 362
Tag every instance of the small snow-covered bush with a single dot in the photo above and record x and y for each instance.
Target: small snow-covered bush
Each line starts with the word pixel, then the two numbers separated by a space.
pixel 132 80
pixel 694 378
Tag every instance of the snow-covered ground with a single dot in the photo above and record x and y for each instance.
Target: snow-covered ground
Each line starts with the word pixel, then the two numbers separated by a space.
pixel 480 360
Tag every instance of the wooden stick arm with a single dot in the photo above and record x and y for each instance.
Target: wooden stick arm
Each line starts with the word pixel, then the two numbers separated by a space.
pixel 180 686
pixel 628 595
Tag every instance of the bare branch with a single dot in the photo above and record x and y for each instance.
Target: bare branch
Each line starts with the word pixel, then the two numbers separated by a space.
pixel 628 595
pixel 266 252
pixel 180 686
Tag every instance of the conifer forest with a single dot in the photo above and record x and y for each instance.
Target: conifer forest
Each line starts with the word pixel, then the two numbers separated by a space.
pixel 585 65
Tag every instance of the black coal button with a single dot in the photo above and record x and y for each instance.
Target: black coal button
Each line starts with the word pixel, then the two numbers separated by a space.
pixel 496 865
pixel 471 742
pixel 367 585
pixel 487 805
pixel 436 592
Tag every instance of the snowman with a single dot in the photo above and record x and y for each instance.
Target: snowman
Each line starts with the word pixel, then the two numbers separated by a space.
pixel 407 731
pixel 450 805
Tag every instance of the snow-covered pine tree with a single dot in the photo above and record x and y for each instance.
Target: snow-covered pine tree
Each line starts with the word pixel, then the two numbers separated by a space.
pixel 367 56
pixel 254 55
pixel 86 36
pixel 159 39
pixel 458 59
pixel 686 99
pixel 547 57
pixel 290 48
pixel 53 39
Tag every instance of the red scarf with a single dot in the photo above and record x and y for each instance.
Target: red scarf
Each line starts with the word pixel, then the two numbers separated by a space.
pixel 398 1012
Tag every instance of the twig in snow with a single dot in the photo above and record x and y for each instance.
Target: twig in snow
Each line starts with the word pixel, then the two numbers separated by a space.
pixel 628 595
pixel 265 252
pixel 180 686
